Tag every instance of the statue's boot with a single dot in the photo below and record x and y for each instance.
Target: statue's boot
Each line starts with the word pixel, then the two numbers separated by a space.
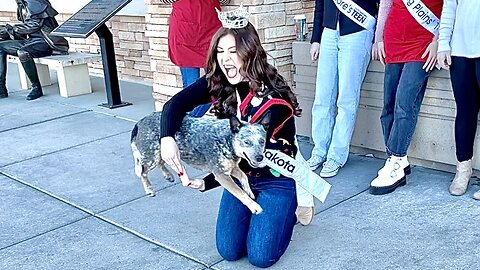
pixel 3 75
pixel 31 71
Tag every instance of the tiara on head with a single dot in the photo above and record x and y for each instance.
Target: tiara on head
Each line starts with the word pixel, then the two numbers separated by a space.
pixel 237 18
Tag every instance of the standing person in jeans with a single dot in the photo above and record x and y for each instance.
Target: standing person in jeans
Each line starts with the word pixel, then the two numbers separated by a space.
pixel 459 51
pixel 342 42
pixel 407 44
pixel 192 26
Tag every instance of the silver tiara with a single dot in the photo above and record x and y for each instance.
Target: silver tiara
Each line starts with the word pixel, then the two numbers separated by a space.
pixel 237 18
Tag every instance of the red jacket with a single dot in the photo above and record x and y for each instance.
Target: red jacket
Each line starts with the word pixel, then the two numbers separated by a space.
pixel 405 39
pixel 192 26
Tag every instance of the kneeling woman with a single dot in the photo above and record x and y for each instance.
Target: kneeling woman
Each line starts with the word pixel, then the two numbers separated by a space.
pixel 240 81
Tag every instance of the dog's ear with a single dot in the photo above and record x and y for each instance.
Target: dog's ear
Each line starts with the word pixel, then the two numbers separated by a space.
pixel 235 124
pixel 265 120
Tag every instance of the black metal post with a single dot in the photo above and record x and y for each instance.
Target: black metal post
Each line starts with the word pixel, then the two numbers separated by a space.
pixel 112 87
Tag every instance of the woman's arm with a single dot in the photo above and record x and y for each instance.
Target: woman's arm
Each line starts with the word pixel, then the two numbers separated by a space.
pixel 446 25
pixel 184 101
pixel 383 11
pixel 318 21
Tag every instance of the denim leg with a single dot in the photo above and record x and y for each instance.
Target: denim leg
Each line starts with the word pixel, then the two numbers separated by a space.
pixel 353 59
pixel 189 76
pixel 409 97
pixel 265 237
pixel 270 232
pixel 465 76
pixel 233 222
pixel 390 85
pixel 323 109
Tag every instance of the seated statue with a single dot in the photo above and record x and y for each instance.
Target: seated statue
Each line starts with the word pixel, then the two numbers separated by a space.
pixel 30 39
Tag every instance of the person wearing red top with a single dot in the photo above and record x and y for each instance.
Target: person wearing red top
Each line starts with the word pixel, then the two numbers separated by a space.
pixel 192 26
pixel 406 43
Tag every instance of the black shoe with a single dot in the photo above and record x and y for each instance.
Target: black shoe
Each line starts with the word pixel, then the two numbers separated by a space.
pixel 35 93
pixel 3 92
pixel 4 95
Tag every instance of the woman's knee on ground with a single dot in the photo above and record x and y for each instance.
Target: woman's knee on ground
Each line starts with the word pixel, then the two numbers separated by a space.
pixel 230 253
pixel 262 259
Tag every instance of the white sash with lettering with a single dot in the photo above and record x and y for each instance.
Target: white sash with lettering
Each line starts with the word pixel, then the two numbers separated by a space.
pixel 356 13
pixel 298 169
pixel 423 15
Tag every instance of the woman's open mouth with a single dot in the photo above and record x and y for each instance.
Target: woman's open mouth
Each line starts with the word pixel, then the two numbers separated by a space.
pixel 231 71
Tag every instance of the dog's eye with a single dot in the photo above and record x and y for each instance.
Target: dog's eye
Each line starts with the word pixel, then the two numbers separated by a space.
pixel 248 143
pixel 261 141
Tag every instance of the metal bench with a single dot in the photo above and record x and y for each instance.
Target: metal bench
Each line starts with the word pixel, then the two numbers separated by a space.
pixel 72 72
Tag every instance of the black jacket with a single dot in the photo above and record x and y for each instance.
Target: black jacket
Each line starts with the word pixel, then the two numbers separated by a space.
pixel 327 15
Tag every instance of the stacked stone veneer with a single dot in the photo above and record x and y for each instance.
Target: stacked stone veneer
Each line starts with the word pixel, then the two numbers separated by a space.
pixel 131 45
pixel 272 18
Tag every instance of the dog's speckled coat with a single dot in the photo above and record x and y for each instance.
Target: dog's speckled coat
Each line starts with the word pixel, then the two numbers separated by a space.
pixel 208 144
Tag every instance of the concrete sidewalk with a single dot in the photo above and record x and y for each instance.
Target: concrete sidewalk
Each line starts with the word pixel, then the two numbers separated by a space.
pixel 70 200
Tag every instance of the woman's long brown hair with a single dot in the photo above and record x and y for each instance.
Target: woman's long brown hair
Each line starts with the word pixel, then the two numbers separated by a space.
pixel 256 70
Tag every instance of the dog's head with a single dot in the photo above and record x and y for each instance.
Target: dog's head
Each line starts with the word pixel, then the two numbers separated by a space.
pixel 249 140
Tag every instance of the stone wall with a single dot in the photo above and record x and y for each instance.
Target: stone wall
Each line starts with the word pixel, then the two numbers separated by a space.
pixel 272 18
pixel 131 45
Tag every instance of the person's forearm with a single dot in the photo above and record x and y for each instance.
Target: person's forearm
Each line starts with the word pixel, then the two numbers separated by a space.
pixel 383 11
pixel 30 27
pixel 447 22
pixel 318 21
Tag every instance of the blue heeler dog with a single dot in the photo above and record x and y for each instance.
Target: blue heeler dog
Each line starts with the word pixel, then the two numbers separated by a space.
pixel 209 144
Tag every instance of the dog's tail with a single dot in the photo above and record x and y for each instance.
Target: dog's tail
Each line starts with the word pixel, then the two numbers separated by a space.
pixel 134 133
pixel 138 160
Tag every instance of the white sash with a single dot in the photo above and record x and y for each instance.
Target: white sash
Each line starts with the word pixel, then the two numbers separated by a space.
pixel 299 170
pixel 356 13
pixel 423 15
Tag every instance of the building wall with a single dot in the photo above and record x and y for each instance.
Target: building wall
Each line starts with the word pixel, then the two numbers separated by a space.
pixel 273 20
pixel 131 45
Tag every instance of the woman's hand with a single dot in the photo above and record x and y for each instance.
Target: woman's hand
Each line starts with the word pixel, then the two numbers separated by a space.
pixel 444 59
pixel 378 52
pixel 314 51
pixel 431 52
pixel 171 155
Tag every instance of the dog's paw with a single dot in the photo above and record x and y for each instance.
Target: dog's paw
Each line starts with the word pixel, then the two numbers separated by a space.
pixel 255 208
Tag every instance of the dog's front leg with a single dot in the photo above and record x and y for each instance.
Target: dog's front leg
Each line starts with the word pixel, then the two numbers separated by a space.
pixel 243 178
pixel 227 182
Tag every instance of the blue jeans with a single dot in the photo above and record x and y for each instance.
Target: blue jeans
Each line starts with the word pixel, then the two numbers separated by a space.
pixel 404 88
pixel 264 237
pixel 189 76
pixel 342 66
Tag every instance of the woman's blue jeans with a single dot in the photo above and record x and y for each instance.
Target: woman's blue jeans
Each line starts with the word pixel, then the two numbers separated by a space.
pixel 264 237
pixel 189 76
pixel 404 88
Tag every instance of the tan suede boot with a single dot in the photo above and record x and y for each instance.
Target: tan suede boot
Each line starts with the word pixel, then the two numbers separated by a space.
pixel 462 178
pixel 305 214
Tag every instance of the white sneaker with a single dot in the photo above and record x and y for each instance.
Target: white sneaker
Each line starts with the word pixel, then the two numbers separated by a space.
pixel 330 169
pixel 403 164
pixel 390 177
pixel 315 161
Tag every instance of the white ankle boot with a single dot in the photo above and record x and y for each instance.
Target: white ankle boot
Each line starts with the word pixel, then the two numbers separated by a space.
pixel 391 176
pixel 476 195
pixel 462 178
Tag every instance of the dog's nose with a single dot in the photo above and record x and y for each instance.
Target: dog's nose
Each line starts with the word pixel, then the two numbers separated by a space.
pixel 259 158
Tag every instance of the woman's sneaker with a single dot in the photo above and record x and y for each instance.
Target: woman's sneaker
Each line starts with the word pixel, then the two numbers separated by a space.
pixel 330 169
pixel 390 177
pixel 315 161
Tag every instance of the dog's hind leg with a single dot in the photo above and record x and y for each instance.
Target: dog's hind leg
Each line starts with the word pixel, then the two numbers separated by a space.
pixel 166 173
pixel 227 182
pixel 242 177
pixel 147 185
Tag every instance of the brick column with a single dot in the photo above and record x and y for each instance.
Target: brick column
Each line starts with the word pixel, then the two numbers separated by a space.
pixel 273 20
